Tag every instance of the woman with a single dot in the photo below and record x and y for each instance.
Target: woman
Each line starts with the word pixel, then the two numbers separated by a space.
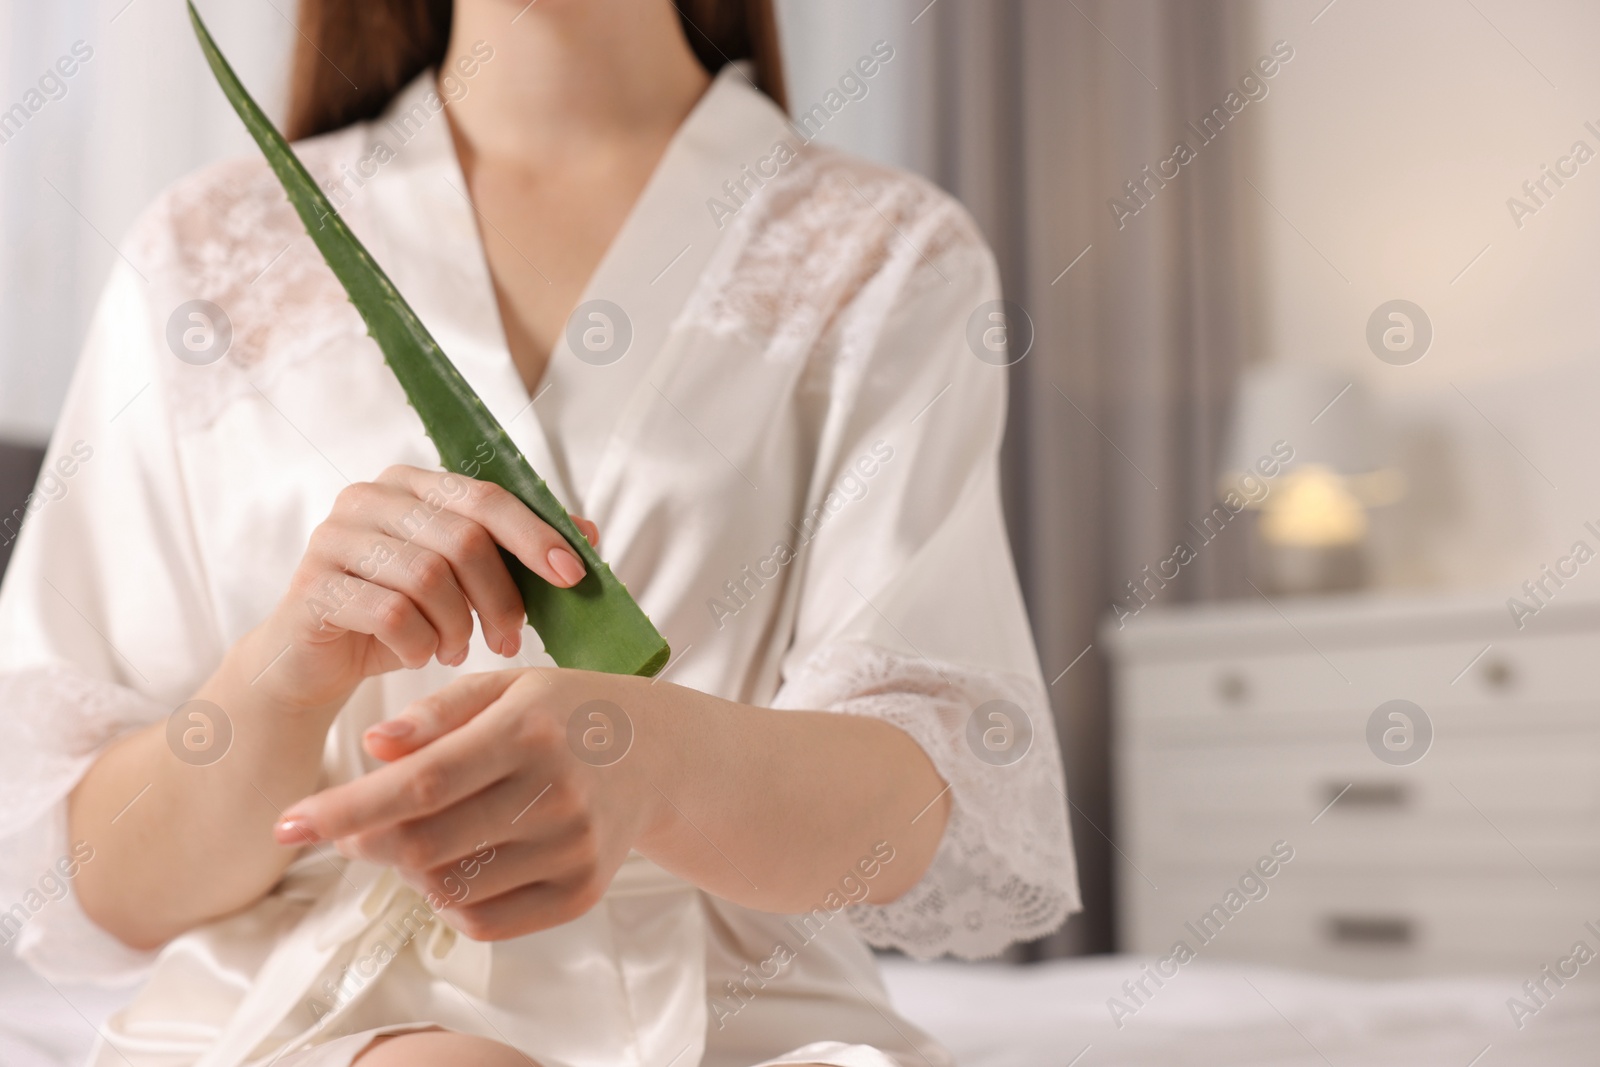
pixel 339 823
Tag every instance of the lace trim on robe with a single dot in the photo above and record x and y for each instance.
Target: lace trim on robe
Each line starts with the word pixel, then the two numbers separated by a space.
pixel 56 722
pixel 228 234
pixel 1003 871
pixel 811 242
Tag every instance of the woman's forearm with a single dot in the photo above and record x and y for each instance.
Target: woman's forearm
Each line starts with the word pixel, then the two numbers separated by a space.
pixel 776 810
pixel 179 840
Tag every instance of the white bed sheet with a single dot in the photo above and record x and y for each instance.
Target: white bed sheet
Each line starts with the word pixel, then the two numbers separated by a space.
pixel 1055 1015
pixel 1229 1015
pixel 42 1025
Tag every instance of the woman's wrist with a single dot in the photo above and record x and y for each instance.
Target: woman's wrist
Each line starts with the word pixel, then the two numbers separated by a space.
pixel 257 673
pixel 677 735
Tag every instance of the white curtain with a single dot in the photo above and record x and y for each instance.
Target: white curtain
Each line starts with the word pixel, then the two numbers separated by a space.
pixel 139 112
pixel 1037 113
pixel 822 39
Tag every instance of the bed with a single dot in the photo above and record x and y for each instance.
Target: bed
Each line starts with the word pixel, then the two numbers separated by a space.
pixel 1230 1015
pixel 1056 1015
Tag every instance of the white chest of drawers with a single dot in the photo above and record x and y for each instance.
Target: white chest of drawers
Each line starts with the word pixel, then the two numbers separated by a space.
pixel 1237 727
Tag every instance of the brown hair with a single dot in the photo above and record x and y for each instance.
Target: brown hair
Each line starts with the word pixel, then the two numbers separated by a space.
pixel 353 56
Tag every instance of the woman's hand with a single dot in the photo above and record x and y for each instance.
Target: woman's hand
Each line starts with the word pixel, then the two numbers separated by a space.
pixel 393 576
pixel 511 799
pixel 514 795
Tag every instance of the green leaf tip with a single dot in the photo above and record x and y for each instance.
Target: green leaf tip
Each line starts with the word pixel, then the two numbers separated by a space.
pixel 595 625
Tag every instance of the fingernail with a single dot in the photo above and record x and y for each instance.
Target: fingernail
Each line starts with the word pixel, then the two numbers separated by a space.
pixel 461 657
pixel 394 729
pixel 566 565
pixel 294 830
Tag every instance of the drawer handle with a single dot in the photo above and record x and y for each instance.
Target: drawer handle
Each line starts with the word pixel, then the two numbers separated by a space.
pixel 1369 795
pixel 1232 688
pixel 1498 674
pixel 1370 931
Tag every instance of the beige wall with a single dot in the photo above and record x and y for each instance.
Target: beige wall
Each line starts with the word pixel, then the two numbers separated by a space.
pixel 1392 143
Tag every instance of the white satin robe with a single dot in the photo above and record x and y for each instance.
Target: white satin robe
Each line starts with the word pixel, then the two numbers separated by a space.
pixel 794 467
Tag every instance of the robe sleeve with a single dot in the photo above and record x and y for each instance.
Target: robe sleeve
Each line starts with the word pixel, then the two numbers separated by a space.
pixel 104 626
pixel 909 608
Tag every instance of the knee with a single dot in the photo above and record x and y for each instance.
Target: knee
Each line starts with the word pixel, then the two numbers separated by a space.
pixel 440 1048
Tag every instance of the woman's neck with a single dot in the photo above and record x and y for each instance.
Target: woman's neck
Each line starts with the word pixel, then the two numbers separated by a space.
pixel 569 75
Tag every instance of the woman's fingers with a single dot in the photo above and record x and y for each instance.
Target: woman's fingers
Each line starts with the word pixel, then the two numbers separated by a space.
pixel 489 871
pixel 514 809
pixel 525 910
pixel 363 607
pixel 508 520
pixel 385 534
pixel 346 546
pixel 446 772
pixel 428 719
pixel 480 575
pixel 406 561
pixel 431 582
pixel 590 531
pixel 437 537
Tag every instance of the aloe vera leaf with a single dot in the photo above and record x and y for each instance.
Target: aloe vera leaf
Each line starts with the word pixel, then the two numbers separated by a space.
pixel 595 625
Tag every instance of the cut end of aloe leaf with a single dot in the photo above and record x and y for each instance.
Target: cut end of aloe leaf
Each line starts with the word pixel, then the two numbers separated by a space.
pixel 656 662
